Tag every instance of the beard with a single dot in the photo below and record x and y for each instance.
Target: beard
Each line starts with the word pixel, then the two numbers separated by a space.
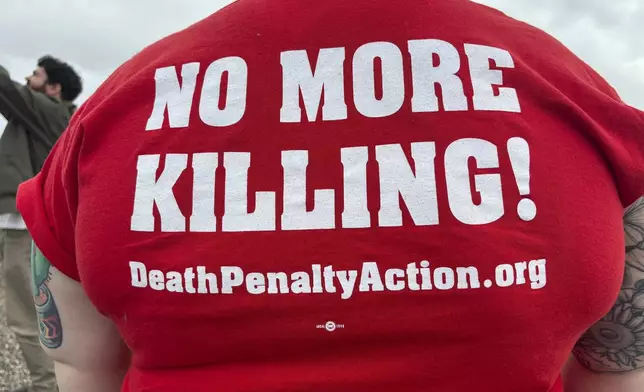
pixel 39 89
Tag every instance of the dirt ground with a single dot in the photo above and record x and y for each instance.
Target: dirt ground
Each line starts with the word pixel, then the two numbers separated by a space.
pixel 13 373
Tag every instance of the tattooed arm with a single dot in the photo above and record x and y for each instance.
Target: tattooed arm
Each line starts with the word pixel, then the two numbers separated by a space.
pixel 88 352
pixel 51 332
pixel 610 356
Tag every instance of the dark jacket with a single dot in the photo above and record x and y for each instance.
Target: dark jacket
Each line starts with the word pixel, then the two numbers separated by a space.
pixel 36 121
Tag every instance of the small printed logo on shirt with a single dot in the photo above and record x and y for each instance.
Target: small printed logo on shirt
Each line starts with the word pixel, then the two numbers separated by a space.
pixel 330 326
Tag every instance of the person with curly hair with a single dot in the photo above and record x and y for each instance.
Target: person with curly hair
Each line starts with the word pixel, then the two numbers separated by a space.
pixel 37 113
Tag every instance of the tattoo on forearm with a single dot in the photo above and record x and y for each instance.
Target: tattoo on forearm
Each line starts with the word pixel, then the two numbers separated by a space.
pixel 616 343
pixel 51 329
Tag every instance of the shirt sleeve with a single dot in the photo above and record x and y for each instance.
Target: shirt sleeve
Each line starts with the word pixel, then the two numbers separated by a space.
pixel 619 134
pixel 48 203
pixel 20 103
pixel 625 138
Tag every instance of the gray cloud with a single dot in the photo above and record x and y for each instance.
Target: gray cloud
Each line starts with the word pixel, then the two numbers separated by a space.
pixel 605 34
pixel 98 36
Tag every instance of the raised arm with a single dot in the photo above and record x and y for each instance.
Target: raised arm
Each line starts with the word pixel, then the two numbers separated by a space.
pixel 19 103
pixel 610 356
pixel 16 101
pixel 88 352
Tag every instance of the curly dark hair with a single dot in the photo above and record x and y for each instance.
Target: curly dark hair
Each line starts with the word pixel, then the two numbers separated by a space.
pixel 59 72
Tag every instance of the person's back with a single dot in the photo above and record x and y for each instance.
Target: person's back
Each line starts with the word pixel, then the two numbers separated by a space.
pixel 347 196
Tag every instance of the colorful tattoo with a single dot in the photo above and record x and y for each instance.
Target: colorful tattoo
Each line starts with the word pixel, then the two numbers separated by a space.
pixel 51 329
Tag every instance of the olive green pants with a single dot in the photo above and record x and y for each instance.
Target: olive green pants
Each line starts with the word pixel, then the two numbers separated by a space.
pixel 15 255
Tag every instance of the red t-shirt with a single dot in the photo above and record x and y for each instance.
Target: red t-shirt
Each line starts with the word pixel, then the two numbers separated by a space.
pixel 340 195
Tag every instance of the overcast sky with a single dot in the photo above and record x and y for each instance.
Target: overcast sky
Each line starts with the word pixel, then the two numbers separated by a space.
pixel 97 36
